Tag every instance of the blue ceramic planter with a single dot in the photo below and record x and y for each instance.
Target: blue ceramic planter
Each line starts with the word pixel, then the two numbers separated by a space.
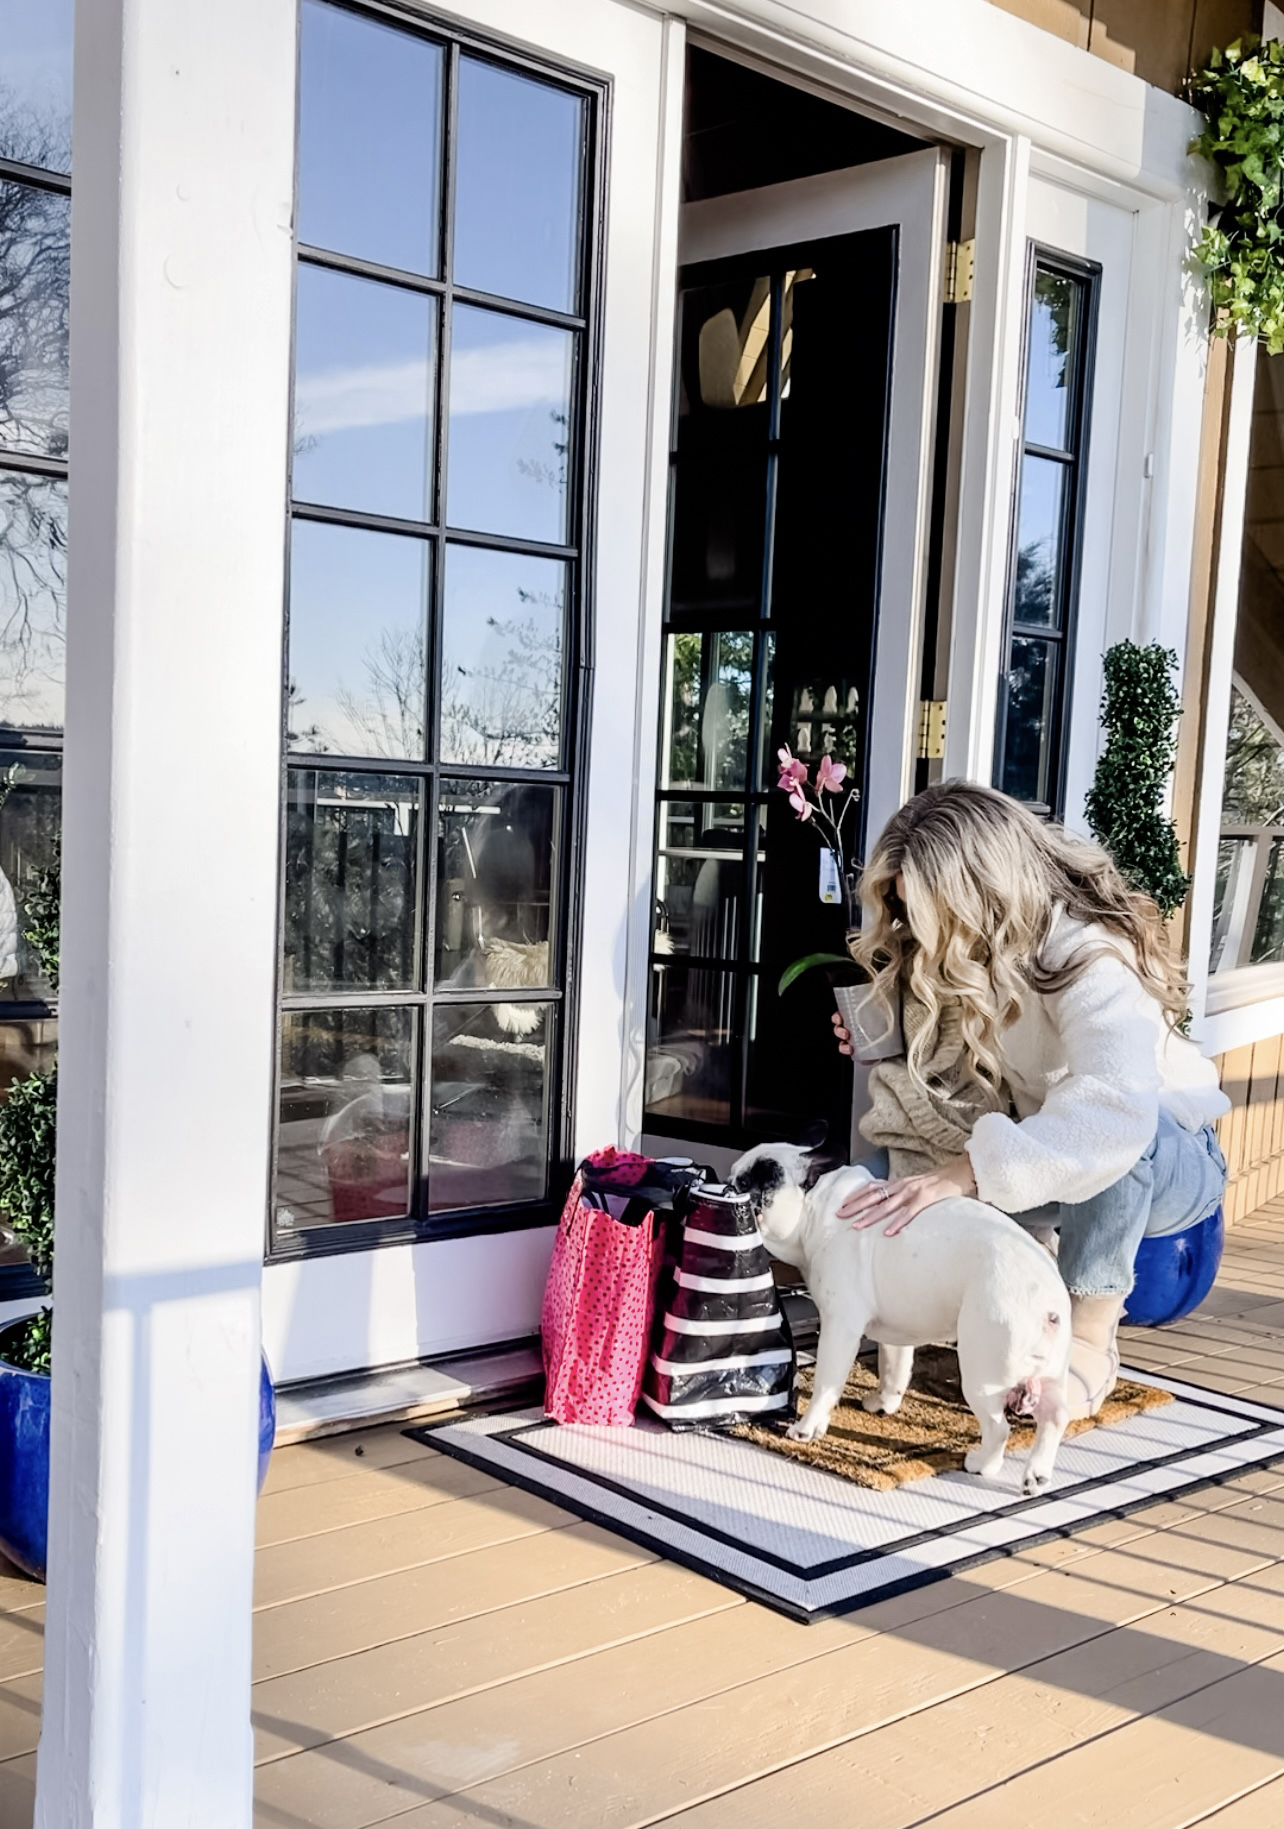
pixel 24 1462
pixel 24 1468
pixel 267 1421
pixel 1175 1273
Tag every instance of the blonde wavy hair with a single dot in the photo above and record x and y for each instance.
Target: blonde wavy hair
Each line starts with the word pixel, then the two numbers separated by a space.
pixel 983 882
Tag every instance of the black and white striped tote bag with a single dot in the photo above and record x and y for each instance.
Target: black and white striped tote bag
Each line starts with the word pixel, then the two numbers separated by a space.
pixel 721 1352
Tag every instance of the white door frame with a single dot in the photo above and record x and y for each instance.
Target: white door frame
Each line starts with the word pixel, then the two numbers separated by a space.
pixel 909 194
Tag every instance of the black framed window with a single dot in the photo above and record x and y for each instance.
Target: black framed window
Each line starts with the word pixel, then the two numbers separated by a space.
pixel 445 296
pixel 35 268
pixel 1043 577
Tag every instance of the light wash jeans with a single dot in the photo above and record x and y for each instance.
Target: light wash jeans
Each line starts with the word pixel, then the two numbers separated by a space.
pixel 1177 1181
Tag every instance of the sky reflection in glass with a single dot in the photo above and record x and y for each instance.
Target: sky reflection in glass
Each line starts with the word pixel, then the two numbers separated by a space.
pixel 1039 533
pixel 35 82
pixel 1054 327
pixel 363 395
pixel 501 665
pixel 358 616
pixel 518 187
pixel 510 407
pixel 369 140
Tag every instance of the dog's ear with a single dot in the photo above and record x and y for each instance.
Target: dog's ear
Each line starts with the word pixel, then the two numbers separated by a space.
pixel 819 1163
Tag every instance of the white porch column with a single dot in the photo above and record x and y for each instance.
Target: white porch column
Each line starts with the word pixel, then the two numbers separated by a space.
pixel 180 344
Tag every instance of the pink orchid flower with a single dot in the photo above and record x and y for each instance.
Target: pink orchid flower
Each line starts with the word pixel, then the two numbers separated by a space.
pixel 801 807
pixel 830 776
pixel 792 772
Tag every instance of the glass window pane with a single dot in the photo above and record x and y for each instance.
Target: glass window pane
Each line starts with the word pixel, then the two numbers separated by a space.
pixel 1253 794
pixel 708 693
pixel 363 395
pixel 30 829
pixel 351 871
pixel 501 659
pixel 719 515
pixel 1268 935
pixel 1027 749
pixel 35 276
pixel 510 426
pixel 33 600
pixel 1054 331
pixel 358 615
pixel 497 846
pixel 1231 890
pixel 692 1048
pixel 724 346
pixel 35 80
pixel 369 140
pixel 1040 524
pixel 699 877
pixel 829 493
pixel 788 1088
pixel 488 1129
pixel 518 187
pixel 344 1146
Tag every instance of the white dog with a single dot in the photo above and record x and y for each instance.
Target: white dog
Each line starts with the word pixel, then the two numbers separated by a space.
pixel 962 1272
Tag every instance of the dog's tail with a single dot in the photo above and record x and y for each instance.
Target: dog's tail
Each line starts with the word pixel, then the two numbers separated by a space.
pixel 1024 1399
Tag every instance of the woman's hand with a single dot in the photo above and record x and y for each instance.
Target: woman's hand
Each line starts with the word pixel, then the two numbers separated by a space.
pixel 897 1202
pixel 843 1035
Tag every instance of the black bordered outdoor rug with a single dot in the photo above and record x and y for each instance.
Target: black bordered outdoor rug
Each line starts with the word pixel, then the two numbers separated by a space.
pixel 810 1544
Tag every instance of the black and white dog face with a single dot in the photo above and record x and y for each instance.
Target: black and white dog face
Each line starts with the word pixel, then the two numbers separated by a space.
pixel 777 1178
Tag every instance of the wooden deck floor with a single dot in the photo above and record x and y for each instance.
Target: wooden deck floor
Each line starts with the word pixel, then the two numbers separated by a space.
pixel 437 1650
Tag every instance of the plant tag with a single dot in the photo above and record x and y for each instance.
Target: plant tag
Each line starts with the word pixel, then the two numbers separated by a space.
pixel 830 887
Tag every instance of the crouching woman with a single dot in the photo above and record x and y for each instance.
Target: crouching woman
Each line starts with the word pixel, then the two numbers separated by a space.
pixel 1055 983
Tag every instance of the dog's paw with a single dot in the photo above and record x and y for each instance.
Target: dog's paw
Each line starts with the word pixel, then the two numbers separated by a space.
pixel 805 1430
pixel 1034 1483
pixel 878 1405
pixel 975 1461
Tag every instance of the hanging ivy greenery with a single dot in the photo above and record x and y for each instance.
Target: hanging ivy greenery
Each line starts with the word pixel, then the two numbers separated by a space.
pixel 1241 95
pixel 1139 711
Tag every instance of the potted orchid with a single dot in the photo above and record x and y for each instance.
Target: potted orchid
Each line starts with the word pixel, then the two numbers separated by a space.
pixel 824 803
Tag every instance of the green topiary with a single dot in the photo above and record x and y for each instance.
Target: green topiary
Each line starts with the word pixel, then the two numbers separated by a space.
pixel 28 1135
pixel 1139 711
pixel 1241 95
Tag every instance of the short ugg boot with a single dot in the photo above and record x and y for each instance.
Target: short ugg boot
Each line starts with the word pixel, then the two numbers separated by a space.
pixel 1094 1353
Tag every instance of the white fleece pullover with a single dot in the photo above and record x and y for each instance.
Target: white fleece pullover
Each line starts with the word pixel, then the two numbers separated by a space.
pixel 1090 1068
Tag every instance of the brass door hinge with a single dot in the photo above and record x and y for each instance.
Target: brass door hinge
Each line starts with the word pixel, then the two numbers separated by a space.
pixel 931 730
pixel 960 263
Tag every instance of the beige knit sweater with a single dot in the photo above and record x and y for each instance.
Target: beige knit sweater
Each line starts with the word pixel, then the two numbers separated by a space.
pixel 920 1130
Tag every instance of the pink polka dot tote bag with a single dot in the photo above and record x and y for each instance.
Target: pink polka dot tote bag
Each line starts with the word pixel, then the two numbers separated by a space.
pixel 600 1295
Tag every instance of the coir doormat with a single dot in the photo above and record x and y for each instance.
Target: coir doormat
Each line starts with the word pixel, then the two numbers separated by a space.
pixel 809 1544
pixel 930 1433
